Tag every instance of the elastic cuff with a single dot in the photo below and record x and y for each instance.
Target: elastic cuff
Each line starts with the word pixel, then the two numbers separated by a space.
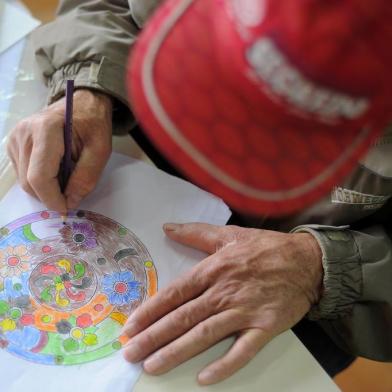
pixel 342 271
pixel 103 77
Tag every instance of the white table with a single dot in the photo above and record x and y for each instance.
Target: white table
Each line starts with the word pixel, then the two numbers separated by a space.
pixel 283 366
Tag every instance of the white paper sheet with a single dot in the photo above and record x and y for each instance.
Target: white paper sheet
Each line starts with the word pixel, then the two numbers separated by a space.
pixel 142 199
pixel 9 64
pixel 14 24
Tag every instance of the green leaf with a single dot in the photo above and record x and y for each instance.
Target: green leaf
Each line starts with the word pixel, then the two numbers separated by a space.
pixel 70 345
pixel 28 233
pixel 4 307
pixel 46 296
pixel 72 320
pixel 90 339
pixel 80 270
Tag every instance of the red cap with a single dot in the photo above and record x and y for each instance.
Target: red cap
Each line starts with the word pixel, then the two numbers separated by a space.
pixel 266 103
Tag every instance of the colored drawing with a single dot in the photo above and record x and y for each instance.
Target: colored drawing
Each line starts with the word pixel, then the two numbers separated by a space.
pixel 67 289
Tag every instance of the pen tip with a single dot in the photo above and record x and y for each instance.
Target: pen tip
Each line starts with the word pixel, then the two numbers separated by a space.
pixel 63 218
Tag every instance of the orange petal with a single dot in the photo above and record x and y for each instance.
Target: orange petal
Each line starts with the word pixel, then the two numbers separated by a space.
pixel 20 250
pixel 24 258
pixel 24 266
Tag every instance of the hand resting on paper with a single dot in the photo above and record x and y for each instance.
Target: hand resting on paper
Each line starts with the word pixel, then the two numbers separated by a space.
pixel 36 148
pixel 255 284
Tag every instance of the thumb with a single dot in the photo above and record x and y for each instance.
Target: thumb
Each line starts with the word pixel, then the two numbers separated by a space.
pixel 86 174
pixel 201 236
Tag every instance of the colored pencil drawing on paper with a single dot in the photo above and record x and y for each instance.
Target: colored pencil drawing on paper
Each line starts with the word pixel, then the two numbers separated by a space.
pixel 66 290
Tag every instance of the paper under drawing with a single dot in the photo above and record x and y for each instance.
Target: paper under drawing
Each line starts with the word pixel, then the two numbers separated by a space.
pixel 66 290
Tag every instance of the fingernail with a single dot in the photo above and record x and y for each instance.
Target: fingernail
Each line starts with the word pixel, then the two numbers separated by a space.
pixel 154 363
pixel 133 352
pixel 207 377
pixel 73 201
pixel 170 226
pixel 130 329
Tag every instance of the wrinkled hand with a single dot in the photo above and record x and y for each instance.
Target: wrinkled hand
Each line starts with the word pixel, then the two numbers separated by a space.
pixel 36 148
pixel 255 284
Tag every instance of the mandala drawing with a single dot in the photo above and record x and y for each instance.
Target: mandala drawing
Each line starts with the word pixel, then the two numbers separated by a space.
pixel 66 290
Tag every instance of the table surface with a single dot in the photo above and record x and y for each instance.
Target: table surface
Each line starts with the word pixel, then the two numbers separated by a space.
pixel 283 365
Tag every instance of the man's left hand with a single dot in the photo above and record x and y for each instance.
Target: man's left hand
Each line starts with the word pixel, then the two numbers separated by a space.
pixel 255 284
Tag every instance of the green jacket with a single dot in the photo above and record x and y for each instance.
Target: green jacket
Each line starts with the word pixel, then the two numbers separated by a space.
pixel 90 41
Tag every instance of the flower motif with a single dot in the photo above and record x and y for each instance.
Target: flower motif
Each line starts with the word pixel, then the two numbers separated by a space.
pixel 62 282
pixel 15 287
pixel 29 336
pixel 79 333
pixel 14 261
pixel 79 236
pixel 10 317
pixel 121 288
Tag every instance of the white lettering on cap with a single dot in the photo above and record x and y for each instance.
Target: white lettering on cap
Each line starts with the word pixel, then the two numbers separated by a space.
pixel 250 13
pixel 281 79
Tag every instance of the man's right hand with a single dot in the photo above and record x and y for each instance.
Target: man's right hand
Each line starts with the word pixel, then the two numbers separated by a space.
pixel 36 148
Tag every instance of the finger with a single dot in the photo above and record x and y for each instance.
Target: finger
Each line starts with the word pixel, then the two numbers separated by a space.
pixel 167 329
pixel 87 172
pixel 243 350
pixel 182 290
pixel 42 175
pixel 201 236
pixel 198 339
pixel 23 168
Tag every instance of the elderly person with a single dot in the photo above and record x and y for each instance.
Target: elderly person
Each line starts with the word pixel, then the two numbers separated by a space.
pixel 268 104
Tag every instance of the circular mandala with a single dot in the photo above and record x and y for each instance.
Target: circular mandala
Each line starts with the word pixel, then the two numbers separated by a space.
pixel 67 289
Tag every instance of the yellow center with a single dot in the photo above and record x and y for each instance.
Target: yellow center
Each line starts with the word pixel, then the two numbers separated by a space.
pixel 77 333
pixel 8 325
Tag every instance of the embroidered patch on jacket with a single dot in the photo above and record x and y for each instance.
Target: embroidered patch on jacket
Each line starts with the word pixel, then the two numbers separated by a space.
pixel 346 196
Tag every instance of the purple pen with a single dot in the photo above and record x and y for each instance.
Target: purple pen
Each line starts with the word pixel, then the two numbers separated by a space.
pixel 66 164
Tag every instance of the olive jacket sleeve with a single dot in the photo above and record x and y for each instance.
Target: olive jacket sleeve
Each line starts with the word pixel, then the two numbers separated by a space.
pixel 89 41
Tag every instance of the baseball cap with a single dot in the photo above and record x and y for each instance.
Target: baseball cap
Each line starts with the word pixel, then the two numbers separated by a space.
pixel 265 103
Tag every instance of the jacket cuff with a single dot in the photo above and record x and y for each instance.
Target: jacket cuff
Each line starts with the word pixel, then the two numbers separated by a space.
pixel 342 271
pixel 103 77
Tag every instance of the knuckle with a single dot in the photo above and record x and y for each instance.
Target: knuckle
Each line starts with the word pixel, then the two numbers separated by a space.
pixel 183 317
pixel 46 119
pixel 218 267
pixel 173 293
pixel 148 341
pixel 147 317
pixel 22 126
pixel 34 179
pixel 171 355
pixel 205 333
pixel 231 295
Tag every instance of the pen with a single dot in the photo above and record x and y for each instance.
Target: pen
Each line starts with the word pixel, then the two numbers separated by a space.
pixel 66 163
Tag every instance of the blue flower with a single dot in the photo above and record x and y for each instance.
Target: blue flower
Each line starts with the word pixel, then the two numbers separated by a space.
pixel 121 288
pixel 15 287
pixel 27 338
